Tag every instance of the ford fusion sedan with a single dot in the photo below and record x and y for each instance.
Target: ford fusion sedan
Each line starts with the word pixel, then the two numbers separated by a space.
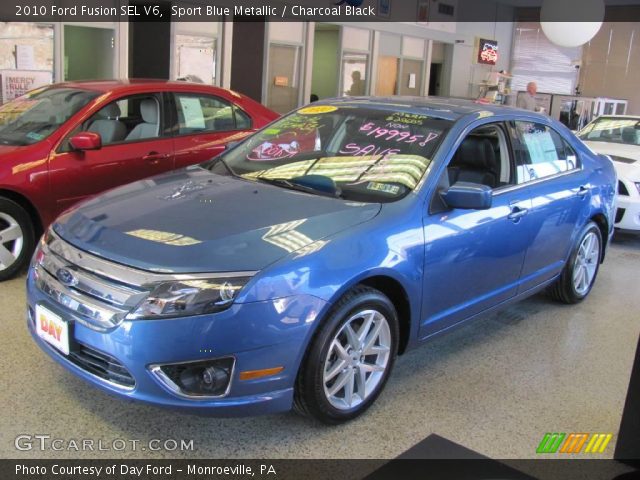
pixel 290 271
pixel 67 142
pixel 619 137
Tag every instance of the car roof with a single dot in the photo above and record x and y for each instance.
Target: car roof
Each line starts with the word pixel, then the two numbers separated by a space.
pixel 442 107
pixel 623 117
pixel 138 83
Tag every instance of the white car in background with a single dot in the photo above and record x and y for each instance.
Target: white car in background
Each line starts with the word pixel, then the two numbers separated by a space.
pixel 618 136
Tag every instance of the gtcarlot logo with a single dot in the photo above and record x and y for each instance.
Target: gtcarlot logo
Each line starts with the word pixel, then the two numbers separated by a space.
pixel 42 442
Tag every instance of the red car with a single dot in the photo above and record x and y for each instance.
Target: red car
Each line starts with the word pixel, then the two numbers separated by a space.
pixel 66 142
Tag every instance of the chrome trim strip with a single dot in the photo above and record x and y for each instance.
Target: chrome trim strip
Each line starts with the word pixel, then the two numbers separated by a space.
pixel 123 274
pixel 98 317
pixel 168 384
pixel 511 188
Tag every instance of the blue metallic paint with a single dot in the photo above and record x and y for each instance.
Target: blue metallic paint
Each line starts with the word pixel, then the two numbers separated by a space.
pixel 452 266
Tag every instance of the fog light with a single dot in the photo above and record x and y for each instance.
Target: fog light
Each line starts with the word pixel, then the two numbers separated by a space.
pixel 209 378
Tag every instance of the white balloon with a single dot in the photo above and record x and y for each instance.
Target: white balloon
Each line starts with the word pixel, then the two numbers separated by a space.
pixel 587 16
pixel 570 34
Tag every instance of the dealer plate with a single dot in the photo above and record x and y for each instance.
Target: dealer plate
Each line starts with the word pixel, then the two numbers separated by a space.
pixel 52 329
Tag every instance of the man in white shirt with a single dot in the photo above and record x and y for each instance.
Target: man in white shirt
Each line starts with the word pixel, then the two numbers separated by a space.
pixel 528 100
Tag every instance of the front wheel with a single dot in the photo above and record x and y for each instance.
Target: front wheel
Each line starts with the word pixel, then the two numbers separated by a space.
pixel 16 238
pixel 579 274
pixel 349 359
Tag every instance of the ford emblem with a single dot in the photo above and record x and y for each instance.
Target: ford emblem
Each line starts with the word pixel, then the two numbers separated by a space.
pixel 66 277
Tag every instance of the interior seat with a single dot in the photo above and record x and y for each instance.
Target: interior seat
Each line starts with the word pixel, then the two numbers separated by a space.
pixel 150 125
pixel 108 125
pixel 474 162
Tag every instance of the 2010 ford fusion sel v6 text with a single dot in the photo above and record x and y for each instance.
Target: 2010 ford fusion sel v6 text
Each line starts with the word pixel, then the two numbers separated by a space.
pixel 291 270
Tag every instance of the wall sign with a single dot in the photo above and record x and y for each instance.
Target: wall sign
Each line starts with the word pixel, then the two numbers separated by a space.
pixel 18 82
pixel 487 52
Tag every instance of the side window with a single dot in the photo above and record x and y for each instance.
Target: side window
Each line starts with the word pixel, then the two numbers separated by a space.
pixel 483 158
pixel 128 119
pixel 243 121
pixel 540 152
pixel 197 113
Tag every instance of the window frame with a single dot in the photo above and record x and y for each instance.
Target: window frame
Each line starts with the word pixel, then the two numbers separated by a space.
pixel 234 107
pixel 163 120
pixel 511 128
pixel 436 204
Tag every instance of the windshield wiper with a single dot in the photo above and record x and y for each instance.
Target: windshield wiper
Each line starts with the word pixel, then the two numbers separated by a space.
pixel 304 184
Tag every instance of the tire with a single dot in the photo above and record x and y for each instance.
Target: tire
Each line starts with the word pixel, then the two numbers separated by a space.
pixel 331 358
pixel 573 286
pixel 17 238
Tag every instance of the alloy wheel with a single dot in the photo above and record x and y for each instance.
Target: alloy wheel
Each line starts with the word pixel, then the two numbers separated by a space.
pixel 11 240
pixel 586 264
pixel 357 359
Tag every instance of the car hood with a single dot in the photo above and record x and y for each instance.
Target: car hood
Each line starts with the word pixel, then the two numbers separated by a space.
pixel 627 169
pixel 195 221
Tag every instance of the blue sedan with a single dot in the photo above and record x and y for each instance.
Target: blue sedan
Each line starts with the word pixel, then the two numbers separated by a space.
pixel 292 270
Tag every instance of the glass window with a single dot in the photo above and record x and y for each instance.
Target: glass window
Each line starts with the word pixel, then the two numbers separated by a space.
pixel 613 130
pixel 195 58
pixel 541 152
pixel 282 77
pixel 204 114
pixel 482 158
pixel 363 154
pixel 128 119
pixel 243 122
pixel 89 52
pixel 354 74
pixel 36 115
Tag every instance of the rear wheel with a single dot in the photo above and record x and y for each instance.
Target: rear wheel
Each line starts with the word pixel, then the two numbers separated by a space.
pixel 350 358
pixel 581 270
pixel 16 238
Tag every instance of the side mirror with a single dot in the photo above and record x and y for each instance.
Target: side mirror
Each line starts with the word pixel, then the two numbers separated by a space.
pixel 468 196
pixel 86 141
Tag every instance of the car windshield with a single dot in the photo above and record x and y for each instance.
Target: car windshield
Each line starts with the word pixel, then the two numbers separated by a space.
pixel 36 115
pixel 613 130
pixel 363 154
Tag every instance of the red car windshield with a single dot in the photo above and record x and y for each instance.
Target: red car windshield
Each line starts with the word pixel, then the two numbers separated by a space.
pixel 359 153
pixel 36 115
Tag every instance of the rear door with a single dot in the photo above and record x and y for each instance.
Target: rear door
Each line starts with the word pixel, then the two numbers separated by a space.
pixel 136 145
pixel 551 169
pixel 205 124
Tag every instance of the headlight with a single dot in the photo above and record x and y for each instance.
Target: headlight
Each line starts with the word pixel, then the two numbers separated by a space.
pixel 181 298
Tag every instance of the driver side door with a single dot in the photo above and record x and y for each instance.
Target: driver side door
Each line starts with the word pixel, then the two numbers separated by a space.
pixel 135 145
pixel 473 258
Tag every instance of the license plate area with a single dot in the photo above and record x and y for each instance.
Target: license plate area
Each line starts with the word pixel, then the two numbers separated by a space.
pixel 51 328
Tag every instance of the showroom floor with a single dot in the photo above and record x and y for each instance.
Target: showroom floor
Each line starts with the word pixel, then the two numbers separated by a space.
pixel 495 387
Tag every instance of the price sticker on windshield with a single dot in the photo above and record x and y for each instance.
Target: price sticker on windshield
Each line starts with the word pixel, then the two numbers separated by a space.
pixel 317 110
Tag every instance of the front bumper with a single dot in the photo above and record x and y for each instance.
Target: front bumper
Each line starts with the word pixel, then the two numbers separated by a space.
pixel 257 335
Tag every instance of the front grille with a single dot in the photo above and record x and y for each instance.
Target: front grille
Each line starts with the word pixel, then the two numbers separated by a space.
pixel 622 190
pixel 98 292
pixel 101 365
pixel 619 215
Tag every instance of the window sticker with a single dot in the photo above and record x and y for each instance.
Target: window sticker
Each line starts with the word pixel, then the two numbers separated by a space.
pixel 35 136
pixel 268 151
pixel 192 112
pixel 317 110
pixel 541 147
pixel 407 118
pixel 383 187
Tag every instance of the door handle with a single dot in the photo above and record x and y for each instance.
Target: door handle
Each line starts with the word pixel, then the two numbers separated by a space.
pixel 154 157
pixel 582 191
pixel 517 213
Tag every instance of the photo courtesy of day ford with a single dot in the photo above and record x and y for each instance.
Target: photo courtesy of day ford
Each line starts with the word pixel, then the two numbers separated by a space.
pixel 320 239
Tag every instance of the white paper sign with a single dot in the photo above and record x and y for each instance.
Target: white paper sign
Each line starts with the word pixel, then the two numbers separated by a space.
pixel 25 58
pixel 192 112
pixel 16 82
